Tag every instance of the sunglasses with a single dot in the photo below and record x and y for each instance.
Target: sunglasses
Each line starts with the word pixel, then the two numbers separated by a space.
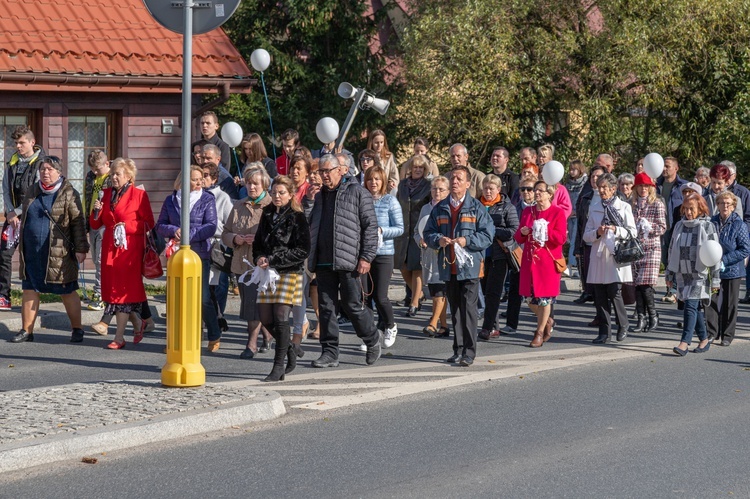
pixel 525 189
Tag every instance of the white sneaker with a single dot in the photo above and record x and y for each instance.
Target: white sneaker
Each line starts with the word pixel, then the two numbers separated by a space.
pixel 389 337
pixel 363 348
pixel 508 330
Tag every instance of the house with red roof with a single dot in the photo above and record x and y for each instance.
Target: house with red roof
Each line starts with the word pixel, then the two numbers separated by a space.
pixel 85 74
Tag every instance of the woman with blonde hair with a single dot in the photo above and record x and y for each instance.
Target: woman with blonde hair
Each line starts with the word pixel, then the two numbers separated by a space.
pixel 282 243
pixel 651 222
pixel 239 234
pixel 378 143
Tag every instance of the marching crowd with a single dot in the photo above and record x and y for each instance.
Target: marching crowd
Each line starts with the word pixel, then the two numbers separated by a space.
pixel 334 226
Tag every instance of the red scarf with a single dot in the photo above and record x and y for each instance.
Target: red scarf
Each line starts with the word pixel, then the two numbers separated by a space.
pixel 487 204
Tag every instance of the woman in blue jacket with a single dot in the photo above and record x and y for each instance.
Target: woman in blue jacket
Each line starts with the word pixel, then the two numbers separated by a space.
pixel 390 226
pixel 202 228
pixel 734 240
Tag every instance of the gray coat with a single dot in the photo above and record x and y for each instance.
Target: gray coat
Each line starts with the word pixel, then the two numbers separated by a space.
pixel 356 227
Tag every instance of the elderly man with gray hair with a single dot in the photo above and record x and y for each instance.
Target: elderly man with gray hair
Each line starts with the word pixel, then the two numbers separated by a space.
pixel 344 240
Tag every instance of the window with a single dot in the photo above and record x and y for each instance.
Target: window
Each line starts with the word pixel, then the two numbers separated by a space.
pixel 85 133
pixel 8 123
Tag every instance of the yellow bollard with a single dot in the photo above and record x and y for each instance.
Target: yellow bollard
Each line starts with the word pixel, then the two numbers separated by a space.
pixel 184 326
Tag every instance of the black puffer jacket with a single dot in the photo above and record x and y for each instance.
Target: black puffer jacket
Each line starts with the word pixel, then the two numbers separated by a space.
pixel 284 241
pixel 505 219
pixel 355 226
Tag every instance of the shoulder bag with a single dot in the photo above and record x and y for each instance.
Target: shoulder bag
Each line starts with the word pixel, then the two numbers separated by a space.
pixel 152 268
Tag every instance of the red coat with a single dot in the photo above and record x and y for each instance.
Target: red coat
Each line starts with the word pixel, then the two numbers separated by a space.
pixel 122 281
pixel 538 263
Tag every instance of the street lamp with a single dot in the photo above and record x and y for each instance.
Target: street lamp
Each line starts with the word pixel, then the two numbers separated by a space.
pixel 362 100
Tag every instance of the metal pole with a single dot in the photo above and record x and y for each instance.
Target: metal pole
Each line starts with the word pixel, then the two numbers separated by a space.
pixel 187 120
pixel 361 94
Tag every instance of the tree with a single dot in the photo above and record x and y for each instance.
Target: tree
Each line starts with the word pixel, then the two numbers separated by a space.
pixel 623 76
pixel 314 46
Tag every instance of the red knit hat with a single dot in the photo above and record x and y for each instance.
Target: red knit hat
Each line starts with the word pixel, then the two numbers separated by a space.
pixel 643 179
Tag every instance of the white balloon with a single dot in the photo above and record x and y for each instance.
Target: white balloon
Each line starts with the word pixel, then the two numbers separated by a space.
pixel 260 59
pixel 231 133
pixel 421 225
pixel 710 253
pixel 653 164
pixel 552 172
pixel 327 130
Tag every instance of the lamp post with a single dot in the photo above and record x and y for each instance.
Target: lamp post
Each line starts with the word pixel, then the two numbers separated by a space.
pixel 362 100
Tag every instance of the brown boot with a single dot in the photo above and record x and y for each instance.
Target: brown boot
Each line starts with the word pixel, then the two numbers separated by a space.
pixel 548 329
pixel 537 341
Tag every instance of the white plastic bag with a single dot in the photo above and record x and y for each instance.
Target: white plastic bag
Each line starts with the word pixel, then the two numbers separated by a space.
pixel 265 278
pixel 463 258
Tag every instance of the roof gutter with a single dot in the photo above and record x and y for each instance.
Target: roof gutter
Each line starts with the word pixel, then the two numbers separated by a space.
pixel 224 94
pixel 223 84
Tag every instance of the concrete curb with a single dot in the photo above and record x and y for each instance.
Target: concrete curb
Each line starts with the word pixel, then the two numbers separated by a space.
pixel 90 442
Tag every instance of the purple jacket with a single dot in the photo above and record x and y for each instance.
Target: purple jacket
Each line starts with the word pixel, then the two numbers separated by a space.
pixel 202 222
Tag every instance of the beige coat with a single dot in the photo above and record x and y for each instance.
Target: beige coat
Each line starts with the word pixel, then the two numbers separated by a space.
pixel 243 219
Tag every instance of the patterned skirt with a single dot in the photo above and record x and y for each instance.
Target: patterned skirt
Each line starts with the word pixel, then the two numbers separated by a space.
pixel 288 291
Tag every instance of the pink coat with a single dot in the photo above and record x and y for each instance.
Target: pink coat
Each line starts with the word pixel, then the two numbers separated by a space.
pixel 538 263
pixel 562 200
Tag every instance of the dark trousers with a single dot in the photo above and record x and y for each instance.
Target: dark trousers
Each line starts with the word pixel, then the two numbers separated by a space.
pixel 349 284
pixel 722 321
pixel 6 268
pixel 376 286
pixel 606 296
pixel 496 272
pixel 584 271
pixel 514 301
pixel 463 297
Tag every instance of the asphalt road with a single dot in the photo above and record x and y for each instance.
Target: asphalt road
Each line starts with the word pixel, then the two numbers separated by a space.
pixel 52 360
pixel 660 426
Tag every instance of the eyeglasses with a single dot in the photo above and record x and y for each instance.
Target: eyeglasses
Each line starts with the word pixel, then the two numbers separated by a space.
pixel 326 171
pixel 525 189
pixel 439 189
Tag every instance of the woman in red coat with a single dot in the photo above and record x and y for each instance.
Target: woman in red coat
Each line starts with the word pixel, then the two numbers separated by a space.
pixel 126 214
pixel 542 231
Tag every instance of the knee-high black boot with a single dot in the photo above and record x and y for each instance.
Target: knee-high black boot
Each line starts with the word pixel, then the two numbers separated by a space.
pixel 653 315
pixel 640 306
pixel 281 335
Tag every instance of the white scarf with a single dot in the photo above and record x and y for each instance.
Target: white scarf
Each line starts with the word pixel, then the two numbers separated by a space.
pixel 194 197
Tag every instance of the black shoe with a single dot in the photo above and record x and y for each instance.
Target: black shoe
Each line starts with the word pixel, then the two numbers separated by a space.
pixel 601 339
pixel 343 320
pixel 746 299
pixel 77 336
pixel 678 325
pixel 22 336
pixel 373 352
pixel 504 314
pixel 704 349
pixel 291 360
pixel 223 324
pixel 640 325
pixel 504 298
pixel 277 374
pixel 653 322
pixel 247 354
pixel 454 359
pixel 621 334
pixel 326 360
pixel 484 335
pixel 724 343
pixel 264 347
pixel 466 361
pixel 581 299
pixel 679 352
pixel 298 350
pixel 412 312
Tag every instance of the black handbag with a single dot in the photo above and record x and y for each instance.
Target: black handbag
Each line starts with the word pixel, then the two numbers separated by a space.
pixel 628 251
pixel 221 257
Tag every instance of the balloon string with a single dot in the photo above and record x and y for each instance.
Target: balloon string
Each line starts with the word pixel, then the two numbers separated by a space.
pixel 268 107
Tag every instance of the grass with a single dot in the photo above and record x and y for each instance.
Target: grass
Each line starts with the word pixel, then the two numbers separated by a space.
pixel 16 294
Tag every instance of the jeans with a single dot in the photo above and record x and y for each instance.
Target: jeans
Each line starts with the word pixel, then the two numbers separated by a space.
pixel 208 309
pixel 6 268
pixel 95 241
pixel 572 232
pixel 381 270
pixel 349 284
pixel 693 321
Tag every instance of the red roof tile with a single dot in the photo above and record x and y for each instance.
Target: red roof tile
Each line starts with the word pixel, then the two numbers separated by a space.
pixel 90 38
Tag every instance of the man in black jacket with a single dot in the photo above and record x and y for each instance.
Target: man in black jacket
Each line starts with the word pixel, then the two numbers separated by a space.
pixel 499 162
pixel 344 240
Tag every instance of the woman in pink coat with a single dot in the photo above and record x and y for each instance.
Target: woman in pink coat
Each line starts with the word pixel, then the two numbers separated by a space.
pixel 542 231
